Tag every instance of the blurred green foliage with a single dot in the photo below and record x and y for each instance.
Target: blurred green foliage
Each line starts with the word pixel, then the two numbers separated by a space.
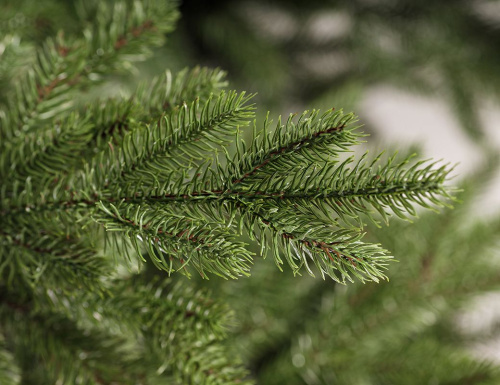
pixel 326 53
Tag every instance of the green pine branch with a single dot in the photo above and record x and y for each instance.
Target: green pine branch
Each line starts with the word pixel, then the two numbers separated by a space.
pixel 121 33
pixel 159 332
pixel 146 186
pixel 43 341
pixel 171 173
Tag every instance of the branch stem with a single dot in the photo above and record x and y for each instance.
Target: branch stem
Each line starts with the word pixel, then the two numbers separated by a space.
pixel 230 195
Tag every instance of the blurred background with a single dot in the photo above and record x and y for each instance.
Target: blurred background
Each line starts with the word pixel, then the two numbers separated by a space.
pixel 420 75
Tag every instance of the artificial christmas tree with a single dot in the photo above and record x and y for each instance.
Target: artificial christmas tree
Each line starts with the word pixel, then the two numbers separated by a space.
pixel 91 188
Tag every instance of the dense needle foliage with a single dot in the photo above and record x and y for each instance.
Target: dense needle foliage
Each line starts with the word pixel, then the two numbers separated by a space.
pixel 179 173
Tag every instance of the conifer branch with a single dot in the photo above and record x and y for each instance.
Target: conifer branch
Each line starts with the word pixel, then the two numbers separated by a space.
pixel 310 201
pixel 177 142
pixel 183 324
pixel 52 339
pixel 168 176
pixel 48 88
pixel 290 145
pixel 49 153
pixel 177 328
pixel 51 259
pixel 175 242
pixel 164 178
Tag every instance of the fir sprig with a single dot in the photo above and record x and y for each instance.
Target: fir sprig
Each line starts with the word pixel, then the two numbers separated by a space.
pixel 149 186
pixel 167 173
pixel 172 333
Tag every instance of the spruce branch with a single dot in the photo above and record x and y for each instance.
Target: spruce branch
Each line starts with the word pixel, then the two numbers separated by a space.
pixel 52 340
pixel 177 142
pixel 295 144
pixel 175 242
pixel 183 326
pixel 157 167
pixel 166 175
pixel 305 207
pixel 65 65
pixel 114 118
pixel 165 338
pixel 54 260
pixel 39 155
pixel 175 325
